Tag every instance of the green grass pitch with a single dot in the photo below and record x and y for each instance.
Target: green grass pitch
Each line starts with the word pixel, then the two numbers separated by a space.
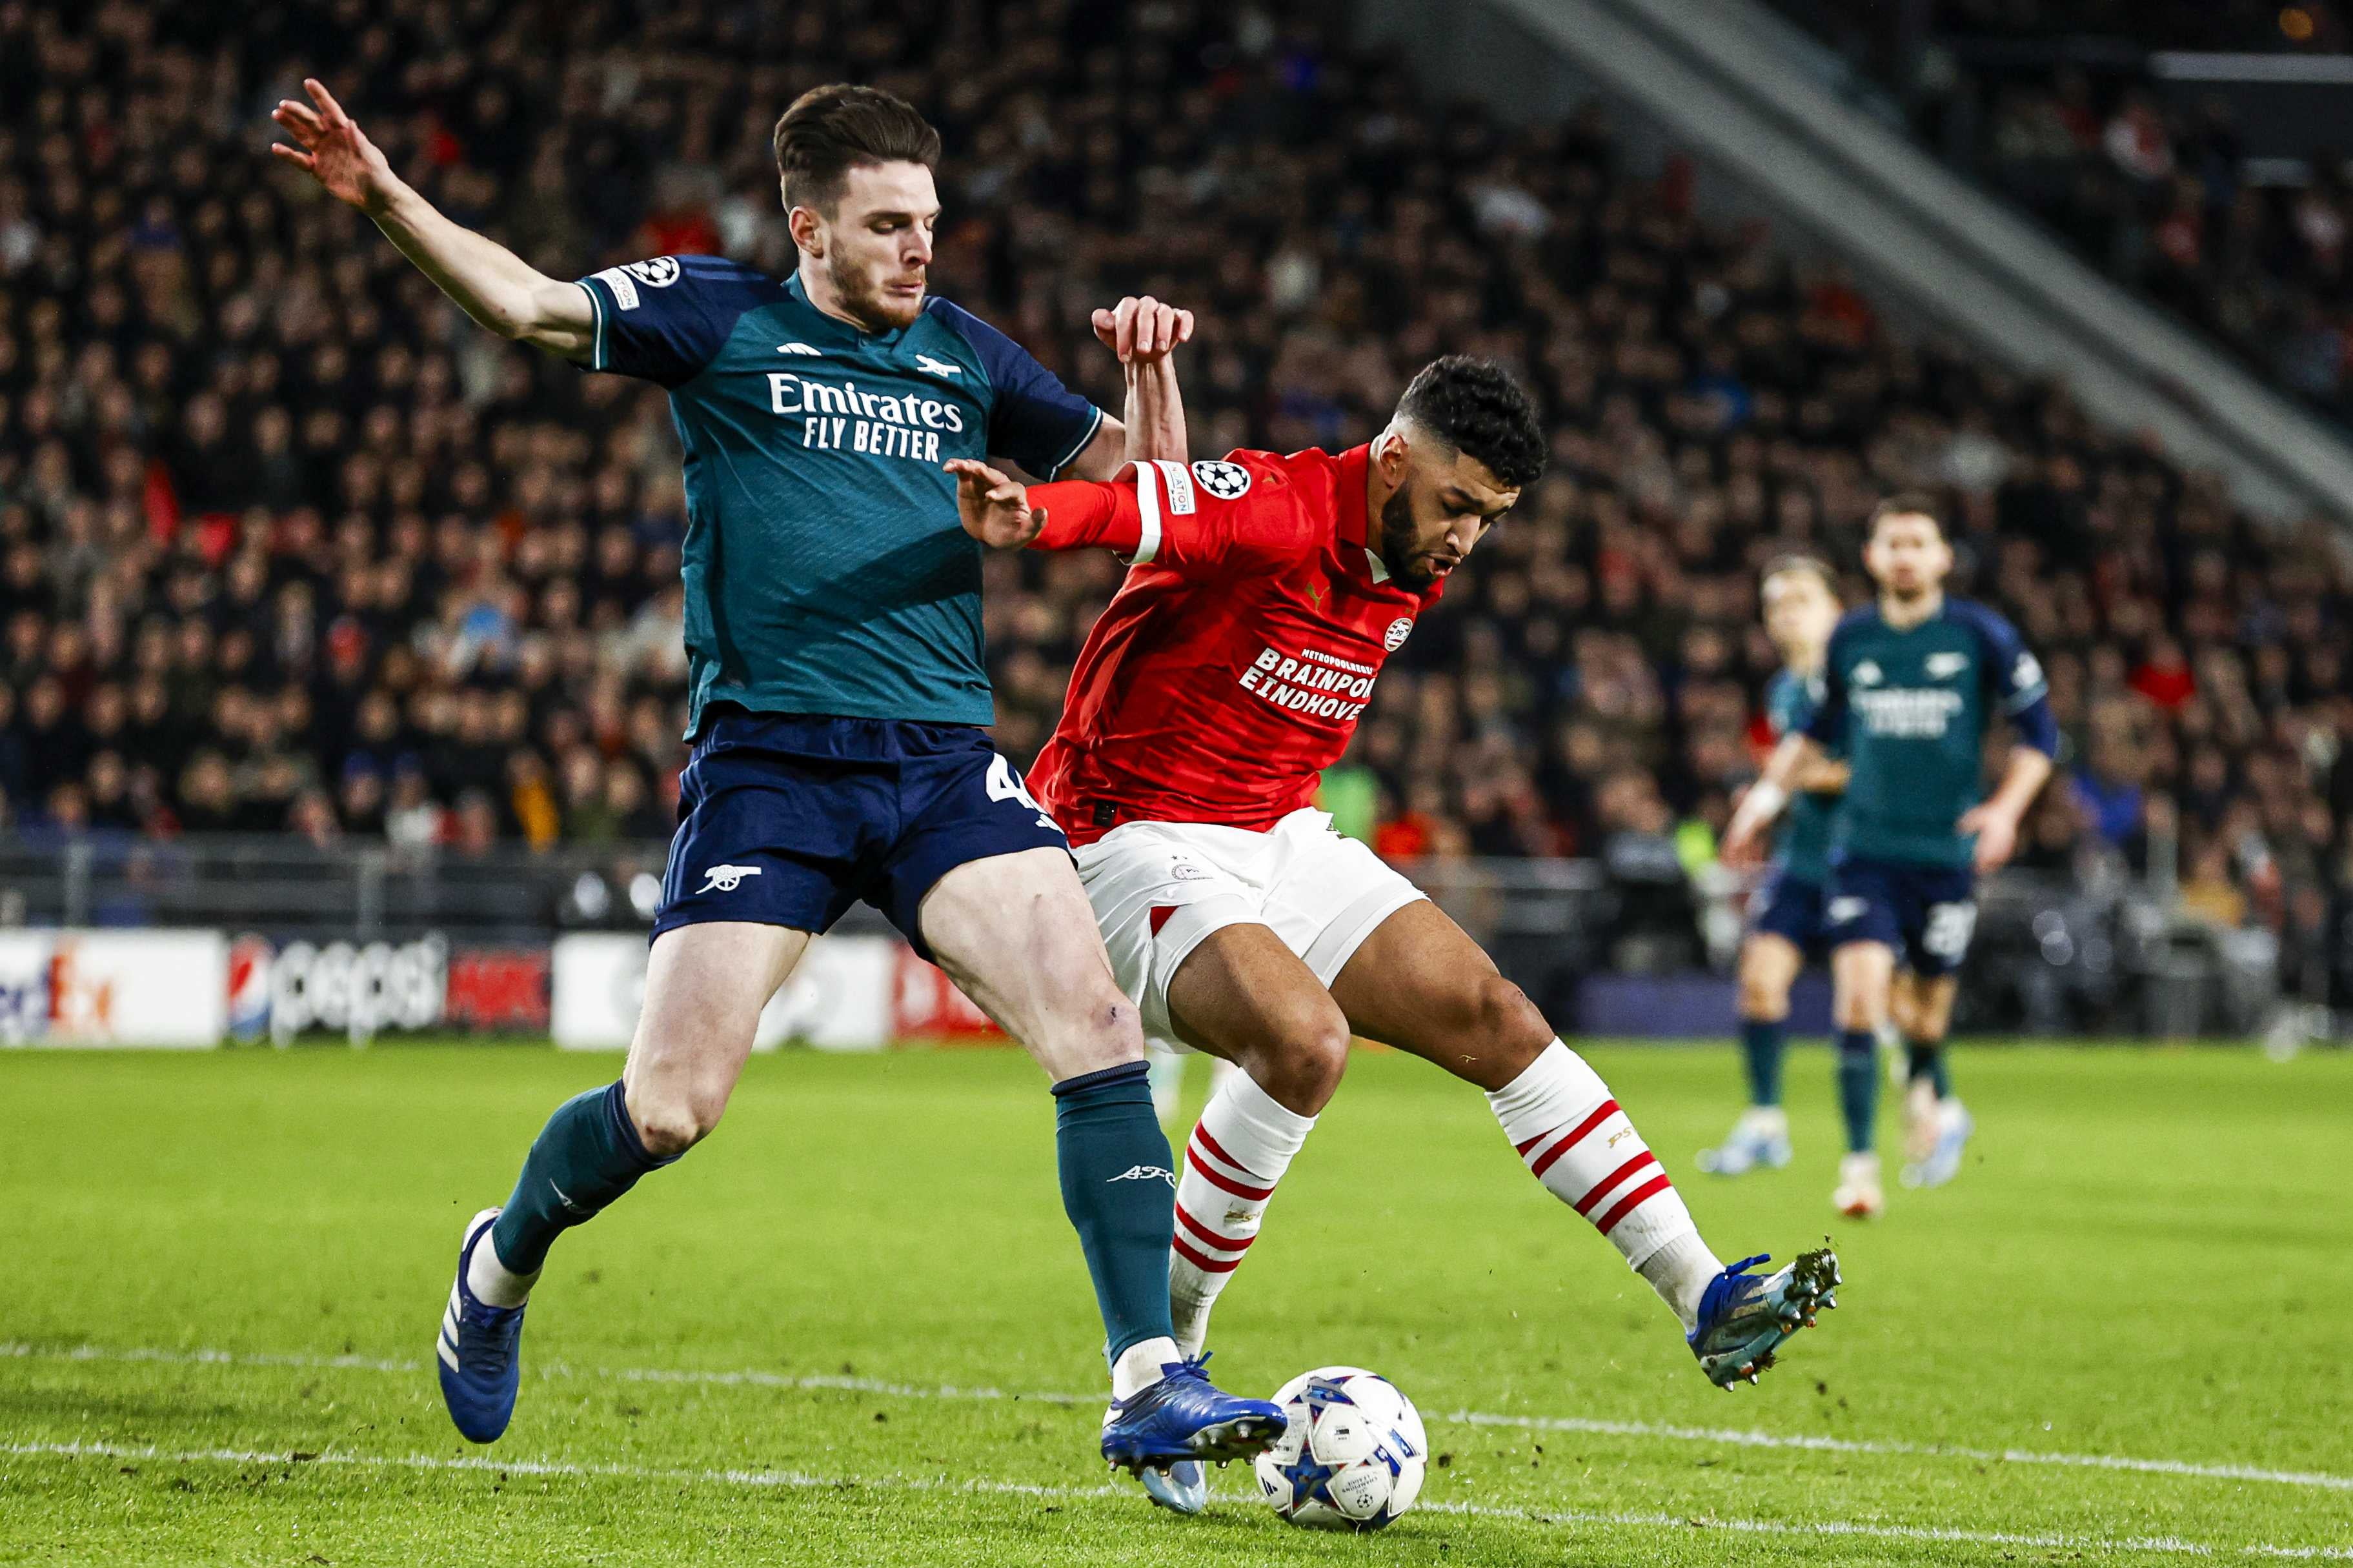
pixel 854 1328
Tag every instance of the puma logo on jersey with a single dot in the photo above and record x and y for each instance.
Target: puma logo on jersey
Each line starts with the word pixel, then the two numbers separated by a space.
pixel 930 366
pixel 1839 910
pixel 1945 665
pixel 799 349
pixel 1866 674
pixel 726 878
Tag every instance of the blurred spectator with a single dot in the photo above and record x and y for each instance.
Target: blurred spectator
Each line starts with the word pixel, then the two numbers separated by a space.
pixel 1655 925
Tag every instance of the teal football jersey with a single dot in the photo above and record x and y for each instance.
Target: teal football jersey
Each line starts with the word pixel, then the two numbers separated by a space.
pixel 826 572
pixel 1911 708
pixel 1803 850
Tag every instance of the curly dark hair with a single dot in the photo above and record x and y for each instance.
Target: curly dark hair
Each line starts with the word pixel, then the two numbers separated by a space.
pixel 1475 406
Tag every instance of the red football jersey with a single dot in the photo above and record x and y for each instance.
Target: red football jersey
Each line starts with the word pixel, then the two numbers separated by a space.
pixel 1232 665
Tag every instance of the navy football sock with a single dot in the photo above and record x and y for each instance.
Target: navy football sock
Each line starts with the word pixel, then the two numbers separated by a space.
pixel 1120 1191
pixel 587 1155
pixel 1927 1059
pixel 1761 1040
pixel 1857 1081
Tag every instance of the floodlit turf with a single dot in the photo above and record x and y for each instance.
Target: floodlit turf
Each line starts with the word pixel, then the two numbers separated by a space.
pixel 854 1328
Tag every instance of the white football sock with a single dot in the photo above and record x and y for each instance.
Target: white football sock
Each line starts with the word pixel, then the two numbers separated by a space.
pixel 1680 1272
pixel 1235 1156
pixel 493 1282
pixel 1140 1366
pixel 1573 1138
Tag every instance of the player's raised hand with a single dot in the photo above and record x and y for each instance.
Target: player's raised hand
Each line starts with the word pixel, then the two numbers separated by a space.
pixel 1142 329
pixel 995 509
pixel 331 147
pixel 1997 833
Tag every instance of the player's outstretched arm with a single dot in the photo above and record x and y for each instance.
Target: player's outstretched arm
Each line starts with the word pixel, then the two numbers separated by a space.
pixel 1744 836
pixel 1145 332
pixel 994 507
pixel 491 283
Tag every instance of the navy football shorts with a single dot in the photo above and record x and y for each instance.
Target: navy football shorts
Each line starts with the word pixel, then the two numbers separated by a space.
pixel 1926 913
pixel 1791 908
pixel 788 820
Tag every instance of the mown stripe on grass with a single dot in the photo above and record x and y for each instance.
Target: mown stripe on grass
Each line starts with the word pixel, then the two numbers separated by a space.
pixel 755 1378
pixel 584 1469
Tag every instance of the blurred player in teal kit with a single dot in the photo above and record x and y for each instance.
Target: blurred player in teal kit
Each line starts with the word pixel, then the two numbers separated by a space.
pixel 836 699
pixel 1787 926
pixel 1910 685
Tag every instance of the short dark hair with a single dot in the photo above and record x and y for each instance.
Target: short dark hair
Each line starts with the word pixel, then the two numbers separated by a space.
pixel 831 130
pixel 1906 504
pixel 1801 561
pixel 1476 408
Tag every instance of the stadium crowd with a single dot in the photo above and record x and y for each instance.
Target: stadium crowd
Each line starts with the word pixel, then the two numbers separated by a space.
pixel 2051 102
pixel 287 544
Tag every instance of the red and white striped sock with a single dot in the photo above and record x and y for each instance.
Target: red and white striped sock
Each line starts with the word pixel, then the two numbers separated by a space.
pixel 1237 1154
pixel 1573 1138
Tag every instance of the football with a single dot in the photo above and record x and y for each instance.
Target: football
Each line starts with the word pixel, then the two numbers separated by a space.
pixel 1354 1456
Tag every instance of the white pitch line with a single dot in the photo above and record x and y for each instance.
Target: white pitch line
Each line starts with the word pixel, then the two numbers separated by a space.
pixel 2163 1545
pixel 1892 1446
pixel 1730 1436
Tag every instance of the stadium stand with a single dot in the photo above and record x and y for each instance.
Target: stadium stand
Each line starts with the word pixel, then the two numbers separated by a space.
pixel 287 545
pixel 2243 236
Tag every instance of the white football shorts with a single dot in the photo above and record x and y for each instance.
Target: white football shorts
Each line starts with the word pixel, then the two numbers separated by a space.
pixel 1160 887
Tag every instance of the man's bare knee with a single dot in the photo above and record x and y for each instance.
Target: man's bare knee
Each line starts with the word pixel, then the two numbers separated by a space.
pixel 1509 1030
pixel 1103 1032
pixel 672 1119
pixel 1860 1007
pixel 1762 1000
pixel 1303 1060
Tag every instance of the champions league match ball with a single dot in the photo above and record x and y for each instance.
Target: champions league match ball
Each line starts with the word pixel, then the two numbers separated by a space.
pixel 1354 1456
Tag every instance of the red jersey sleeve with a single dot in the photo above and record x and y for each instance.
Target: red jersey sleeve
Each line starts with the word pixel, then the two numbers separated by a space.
pixel 1212 515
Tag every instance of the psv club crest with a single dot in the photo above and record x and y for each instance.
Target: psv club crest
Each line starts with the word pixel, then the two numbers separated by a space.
pixel 1399 629
pixel 1227 482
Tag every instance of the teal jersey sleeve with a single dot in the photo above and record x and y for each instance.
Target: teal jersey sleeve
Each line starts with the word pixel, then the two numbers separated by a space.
pixel 2013 678
pixel 1803 847
pixel 665 320
pixel 1033 418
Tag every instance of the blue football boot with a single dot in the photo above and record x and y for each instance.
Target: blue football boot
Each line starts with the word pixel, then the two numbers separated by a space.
pixel 1744 1317
pixel 477 1353
pixel 1182 1488
pixel 1185 1416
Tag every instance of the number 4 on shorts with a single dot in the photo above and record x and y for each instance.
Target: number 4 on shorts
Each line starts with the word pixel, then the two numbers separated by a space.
pixel 1004 784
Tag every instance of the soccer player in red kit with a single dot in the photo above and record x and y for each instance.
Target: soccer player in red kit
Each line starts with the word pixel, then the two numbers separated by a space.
pixel 1263 596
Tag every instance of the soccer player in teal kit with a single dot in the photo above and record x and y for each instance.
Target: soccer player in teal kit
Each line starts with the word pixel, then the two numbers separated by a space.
pixel 1787 927
pixel 837 696
pixel 1911 684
